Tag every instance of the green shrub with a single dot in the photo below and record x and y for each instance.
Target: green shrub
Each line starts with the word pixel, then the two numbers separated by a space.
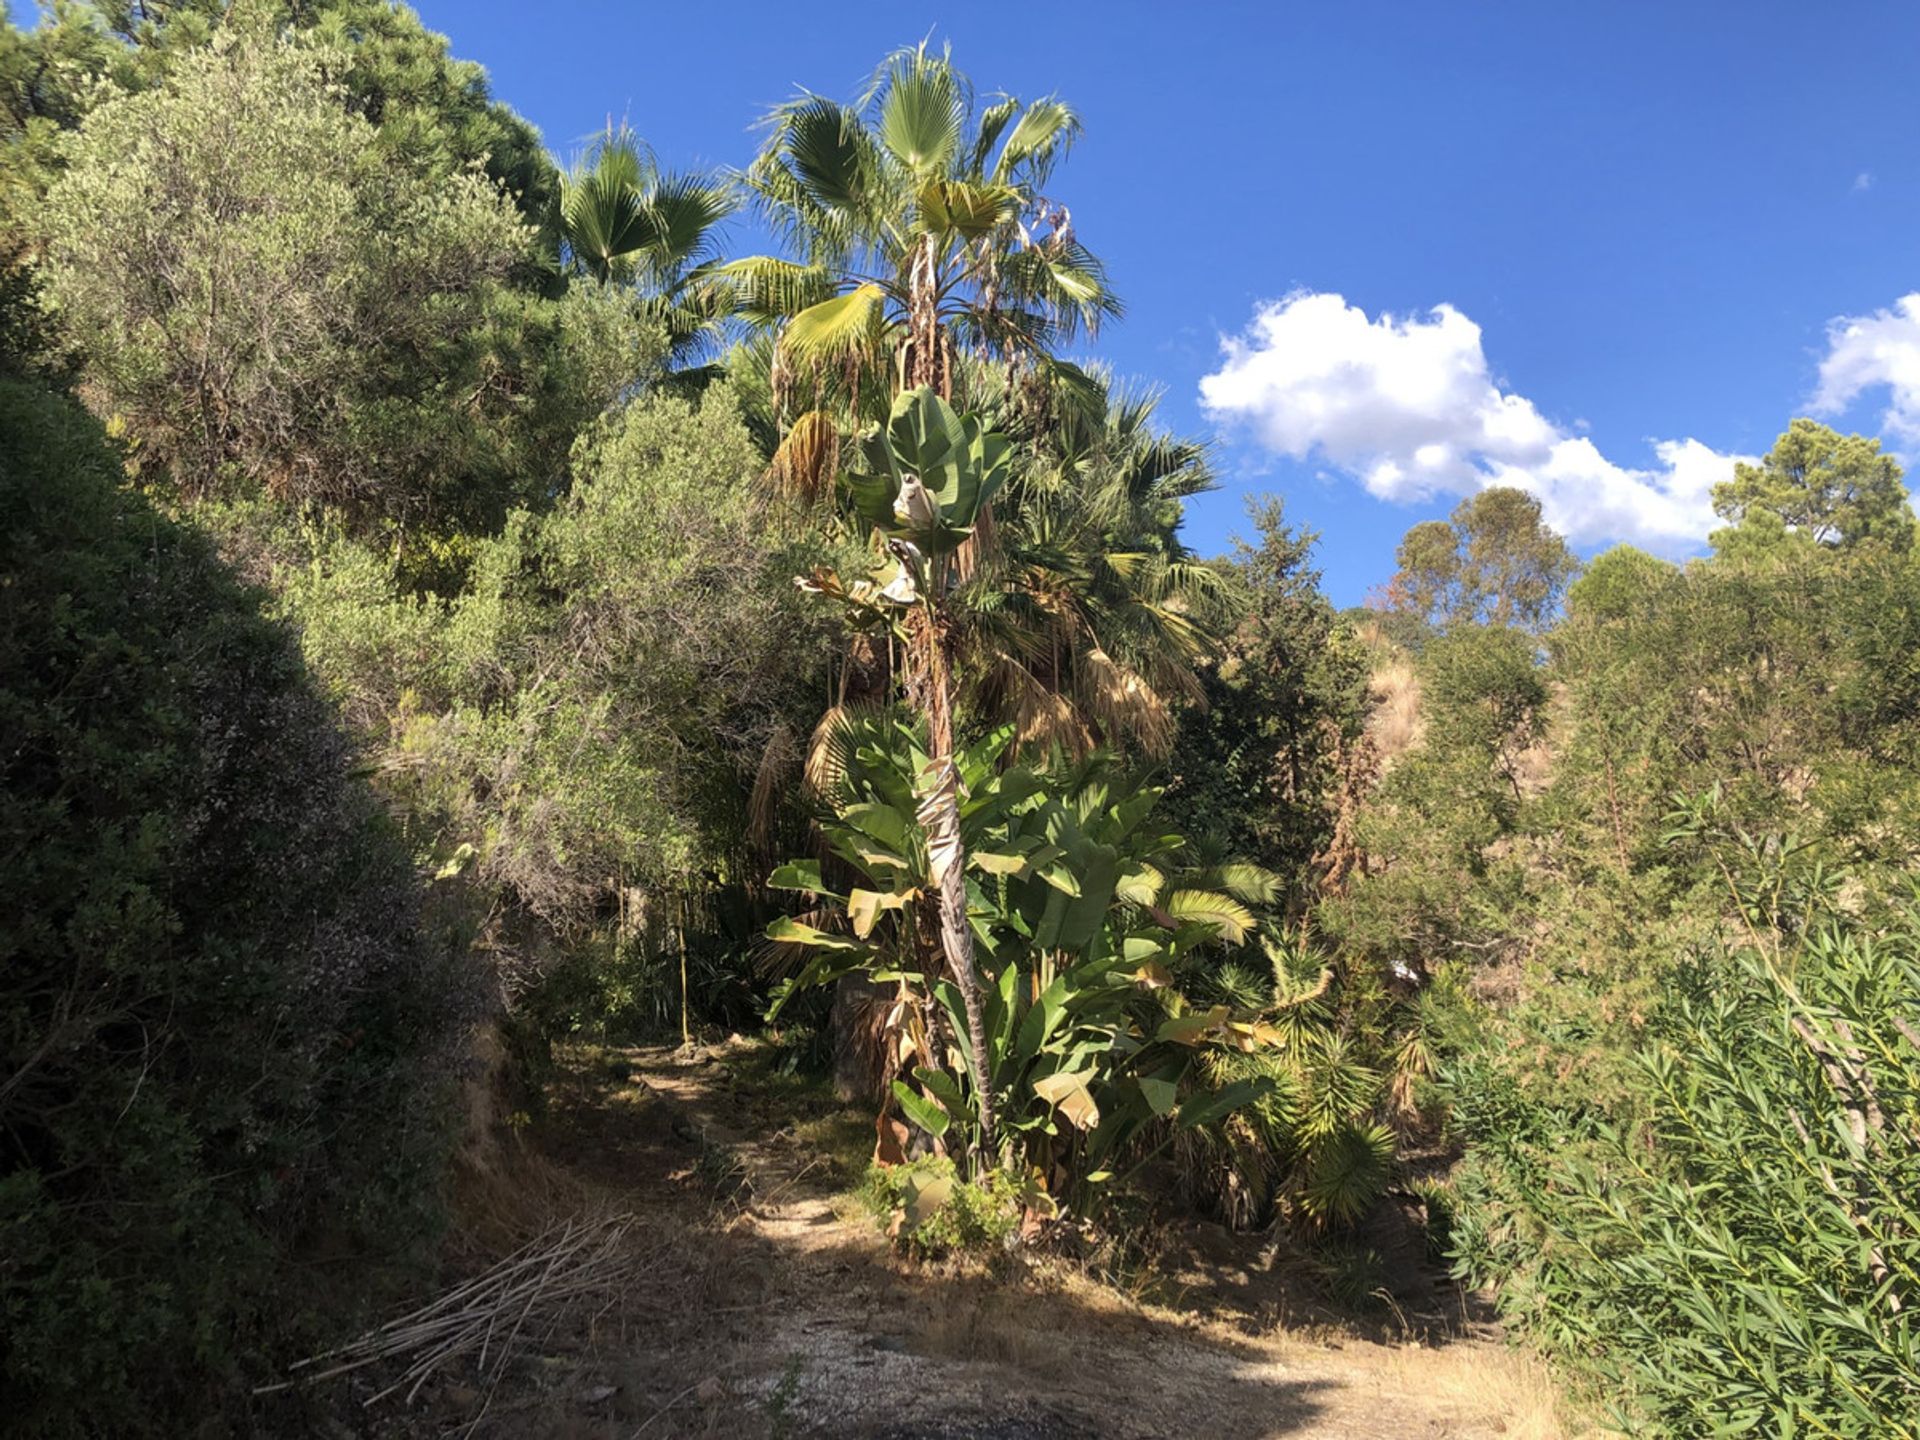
pixel 931 1212
pixel 275 301
pixel 225 1033
pixel 1744 1254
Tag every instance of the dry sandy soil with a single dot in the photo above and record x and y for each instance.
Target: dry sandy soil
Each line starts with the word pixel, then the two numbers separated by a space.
pixel 755 1300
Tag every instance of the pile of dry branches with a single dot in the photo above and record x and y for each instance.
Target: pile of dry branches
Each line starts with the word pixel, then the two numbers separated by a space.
pixel 577 1262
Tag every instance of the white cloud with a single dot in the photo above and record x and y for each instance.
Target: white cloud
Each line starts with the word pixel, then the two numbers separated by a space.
pixel 1863 182
pixel 1408 406
pixel 1867 352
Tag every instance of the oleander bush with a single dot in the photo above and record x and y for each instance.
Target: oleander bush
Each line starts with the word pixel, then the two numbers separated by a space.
pixel 1745 1255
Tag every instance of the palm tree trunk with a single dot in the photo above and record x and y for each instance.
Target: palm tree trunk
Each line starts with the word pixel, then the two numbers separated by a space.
pixel 929 362
pixel 940 815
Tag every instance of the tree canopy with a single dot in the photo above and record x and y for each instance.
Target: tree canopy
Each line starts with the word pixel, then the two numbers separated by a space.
pixel 1493 561
pixel 1817 485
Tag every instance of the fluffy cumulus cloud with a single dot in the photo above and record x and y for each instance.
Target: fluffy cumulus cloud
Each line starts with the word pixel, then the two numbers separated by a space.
pixel 1408 406
pixel 1872 352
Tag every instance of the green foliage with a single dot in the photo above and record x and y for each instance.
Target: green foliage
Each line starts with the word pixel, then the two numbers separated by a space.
pixel 1086 616
pixel 929 473
pixel 1257 766
pixel 1086 920
pixel 435 114
pixel 227 1028
pixel 621 219
pixel 270 303
pixel 1742 1252
pixel 1484 685
pixel 933 1212
pixel 1347 1078
pixel 1617 583
pixel 1817 486
pixel 911 211
pixel 572 735
pixel 1627 1006
pixel 1494 561
pixel 1444 870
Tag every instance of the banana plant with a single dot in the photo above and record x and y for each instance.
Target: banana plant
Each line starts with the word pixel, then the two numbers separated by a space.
pixel 1085 917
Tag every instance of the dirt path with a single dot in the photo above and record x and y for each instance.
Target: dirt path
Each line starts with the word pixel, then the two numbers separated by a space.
pixel 763 1310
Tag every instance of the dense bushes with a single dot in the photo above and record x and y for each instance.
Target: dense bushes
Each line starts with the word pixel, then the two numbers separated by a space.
pixel 1659 1020
pixel 225 1033
pixel 271 300
pixel 1746 1255
pixel 576 732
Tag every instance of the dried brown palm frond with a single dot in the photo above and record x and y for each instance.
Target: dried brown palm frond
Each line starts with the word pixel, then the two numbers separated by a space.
pixel 1120 698
pixel 1042 718
pixel 830 747
pixel 866 673
pixel 807 459
pixel 1357 762
pixel 769 785
pixel 861 1035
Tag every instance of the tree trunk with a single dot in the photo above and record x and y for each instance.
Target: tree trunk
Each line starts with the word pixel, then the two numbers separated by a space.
pixel 940 815
pixel 929 362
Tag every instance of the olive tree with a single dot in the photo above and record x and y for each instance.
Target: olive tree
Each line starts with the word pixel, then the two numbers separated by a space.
pixel 268 301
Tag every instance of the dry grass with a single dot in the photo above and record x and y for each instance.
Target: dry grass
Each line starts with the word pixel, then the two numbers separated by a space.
pixel 1395 725
pixel 781 1317
pixel 1054 1340
pixel 1510 1390
pixel 999 1328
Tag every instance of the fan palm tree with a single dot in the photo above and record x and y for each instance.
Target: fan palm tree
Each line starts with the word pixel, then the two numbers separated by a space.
pixel 623 220
pixel 1087 621
pixel 920 228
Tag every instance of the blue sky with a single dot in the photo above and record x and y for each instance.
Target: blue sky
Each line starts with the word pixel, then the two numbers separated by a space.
pixel 1650 223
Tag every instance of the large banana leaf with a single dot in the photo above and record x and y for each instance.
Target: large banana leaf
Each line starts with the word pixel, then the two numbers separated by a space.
pixel 929 471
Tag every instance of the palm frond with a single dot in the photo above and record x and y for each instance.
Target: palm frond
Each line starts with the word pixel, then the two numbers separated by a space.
pixel 1243 881
pixel 1047 129
pixel 767 289
pixel 1231 920
pixel 806 460
pixel 1124 703
pixel 1041 716
pixel 1347 1172
pixel 922 104
pixel 834 329
pixel 991 124
pixel 966 209
pixel 826 148
pixel 682 214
